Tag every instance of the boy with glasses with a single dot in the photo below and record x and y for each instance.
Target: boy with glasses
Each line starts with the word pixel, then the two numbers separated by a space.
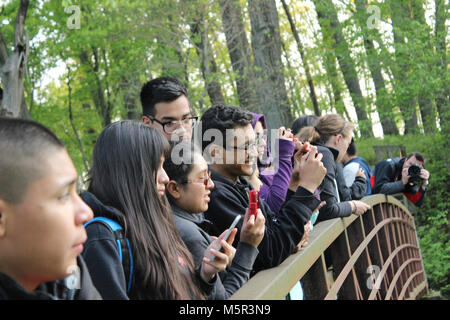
pixel 230 160
pixel 165 106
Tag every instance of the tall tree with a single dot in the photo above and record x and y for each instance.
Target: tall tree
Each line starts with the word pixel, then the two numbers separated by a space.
pixel 208 66
pixel 266 45
pixel 384 107
pixel 301 50
pixel 328 20
pixel 240 54
pixel 13 67
pixel 421 43
pixel 402 69
pixel 442 90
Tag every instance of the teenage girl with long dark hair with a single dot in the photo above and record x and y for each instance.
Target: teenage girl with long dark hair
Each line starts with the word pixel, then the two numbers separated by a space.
pixel 127 184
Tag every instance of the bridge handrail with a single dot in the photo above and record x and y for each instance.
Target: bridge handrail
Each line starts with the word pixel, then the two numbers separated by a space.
pixel 275 283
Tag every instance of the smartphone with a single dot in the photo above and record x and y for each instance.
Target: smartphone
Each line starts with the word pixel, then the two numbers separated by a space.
pixel 235 221
pixel 254 202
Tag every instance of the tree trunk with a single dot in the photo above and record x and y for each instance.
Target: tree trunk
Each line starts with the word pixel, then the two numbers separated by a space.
pixel 103 106
pixel 75 131
pixel 442 92
pixel 13 67
pixel 373 60
pixel 240 54
pixel 130 88
pixel 328 20
pixel 266 44
pixel 405 97
pixel 301 50
pixel 207 64
pixel 422 39
pixel 333 78
pixel 293 88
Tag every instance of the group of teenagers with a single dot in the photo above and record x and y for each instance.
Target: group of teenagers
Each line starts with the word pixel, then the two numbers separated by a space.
pixel 161 224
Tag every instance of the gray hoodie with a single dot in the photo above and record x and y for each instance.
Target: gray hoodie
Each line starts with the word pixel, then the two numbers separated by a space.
pixel 191 228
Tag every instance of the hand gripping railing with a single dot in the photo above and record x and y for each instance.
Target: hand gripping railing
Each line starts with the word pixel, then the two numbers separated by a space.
pixel 373 256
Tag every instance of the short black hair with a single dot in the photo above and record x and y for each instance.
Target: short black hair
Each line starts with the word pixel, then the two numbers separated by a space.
pixel 162 89
pixel 223 117
pixel 351 150
pixel 24 144
pixel 419 156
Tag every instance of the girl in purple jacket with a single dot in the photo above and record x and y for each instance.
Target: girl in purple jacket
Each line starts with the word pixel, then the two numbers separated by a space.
pixel 273 179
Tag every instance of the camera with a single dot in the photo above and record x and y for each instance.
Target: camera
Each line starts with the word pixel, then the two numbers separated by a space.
pixel 414 173
pixel 414 178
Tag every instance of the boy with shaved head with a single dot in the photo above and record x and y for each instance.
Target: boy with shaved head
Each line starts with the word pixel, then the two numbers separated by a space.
pixel 41 217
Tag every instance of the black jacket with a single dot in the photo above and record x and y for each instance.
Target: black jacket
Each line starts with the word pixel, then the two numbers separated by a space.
pixel 283 230
pixel 192 230
pixel 328 187
pixel 102 254
pixel 57 290
pixel 388 180
pixel 356 191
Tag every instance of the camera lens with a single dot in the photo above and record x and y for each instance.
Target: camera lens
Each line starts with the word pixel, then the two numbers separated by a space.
pixel 414 170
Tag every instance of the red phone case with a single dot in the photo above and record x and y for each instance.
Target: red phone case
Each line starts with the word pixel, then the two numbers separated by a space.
pixel 306 148
pixel 254 202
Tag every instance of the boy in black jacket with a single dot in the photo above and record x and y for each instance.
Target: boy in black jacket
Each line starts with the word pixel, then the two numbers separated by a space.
pixel 41 217
pixel 231 154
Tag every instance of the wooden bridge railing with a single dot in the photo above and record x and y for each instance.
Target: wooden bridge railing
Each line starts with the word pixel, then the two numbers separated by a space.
pixel 373 256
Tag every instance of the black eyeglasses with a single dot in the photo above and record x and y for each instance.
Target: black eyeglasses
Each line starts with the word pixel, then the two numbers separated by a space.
pixel 245 147
pixel 204 180
pixel 171 126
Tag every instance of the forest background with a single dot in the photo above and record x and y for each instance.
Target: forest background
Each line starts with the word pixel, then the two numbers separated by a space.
pixel 77 66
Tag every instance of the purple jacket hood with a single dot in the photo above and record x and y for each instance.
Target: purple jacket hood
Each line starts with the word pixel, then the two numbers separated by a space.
pixel 266 158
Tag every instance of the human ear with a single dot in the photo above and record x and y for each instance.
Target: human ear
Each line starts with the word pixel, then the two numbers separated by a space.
pixel 146 120
pixel 3 214
pixel 174 189
pixel 338 139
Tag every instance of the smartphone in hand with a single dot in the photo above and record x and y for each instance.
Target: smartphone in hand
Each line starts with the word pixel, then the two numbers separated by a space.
pixel 254 202
pixel 235 222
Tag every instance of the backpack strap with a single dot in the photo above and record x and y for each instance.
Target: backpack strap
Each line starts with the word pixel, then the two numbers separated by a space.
pixel 126 257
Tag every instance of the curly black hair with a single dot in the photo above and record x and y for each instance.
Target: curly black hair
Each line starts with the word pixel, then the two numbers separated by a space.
pixel 223 117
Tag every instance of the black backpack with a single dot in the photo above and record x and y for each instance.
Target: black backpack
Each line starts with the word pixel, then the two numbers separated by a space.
pixel 126 257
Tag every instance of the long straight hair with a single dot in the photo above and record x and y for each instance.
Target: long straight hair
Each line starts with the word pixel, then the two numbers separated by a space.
pixel 125 164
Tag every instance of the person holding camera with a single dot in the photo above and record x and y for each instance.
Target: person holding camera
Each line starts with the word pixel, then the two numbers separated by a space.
pixel 407 175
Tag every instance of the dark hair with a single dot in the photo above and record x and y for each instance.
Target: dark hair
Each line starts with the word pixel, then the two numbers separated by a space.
pixel 24 146
pixel 351 150
pixel 180 162
pixel 303 121
pixel 223 117
pixel 163 89
pixel 125 164
pixel 419 156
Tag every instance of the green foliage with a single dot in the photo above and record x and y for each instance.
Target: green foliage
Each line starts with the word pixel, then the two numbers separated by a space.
pixel 54 114
pixel 123 43
pixel 432 218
